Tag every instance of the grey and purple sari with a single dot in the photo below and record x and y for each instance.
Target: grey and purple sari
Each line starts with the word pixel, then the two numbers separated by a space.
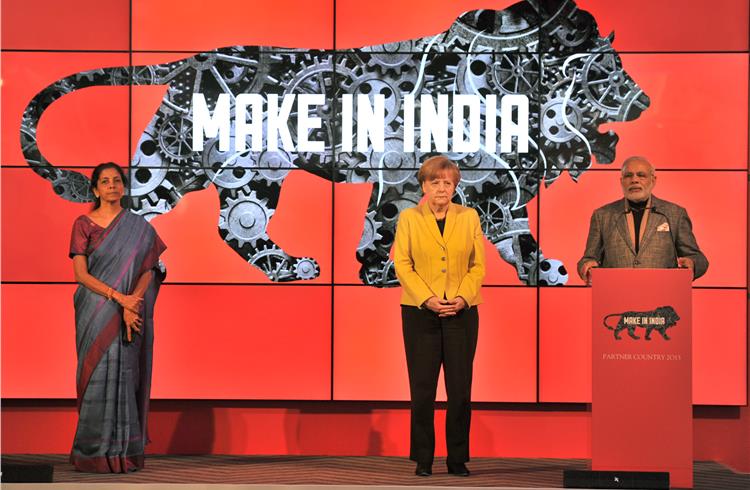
pixel 113 380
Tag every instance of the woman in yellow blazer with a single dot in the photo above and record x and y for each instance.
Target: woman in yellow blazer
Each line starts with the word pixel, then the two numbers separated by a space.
pixel 439 261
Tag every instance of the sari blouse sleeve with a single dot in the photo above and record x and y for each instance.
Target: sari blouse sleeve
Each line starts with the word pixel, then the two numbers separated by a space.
pixel 79 237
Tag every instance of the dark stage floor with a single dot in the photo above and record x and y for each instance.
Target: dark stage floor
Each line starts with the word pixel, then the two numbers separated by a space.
pixel 369 471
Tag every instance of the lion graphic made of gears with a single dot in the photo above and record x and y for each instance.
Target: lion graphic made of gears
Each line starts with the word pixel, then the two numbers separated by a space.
pixel 547 50
pixel 660 319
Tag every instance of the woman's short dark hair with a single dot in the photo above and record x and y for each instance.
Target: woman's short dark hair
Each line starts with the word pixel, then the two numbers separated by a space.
pixel 435 166
pixel 98 171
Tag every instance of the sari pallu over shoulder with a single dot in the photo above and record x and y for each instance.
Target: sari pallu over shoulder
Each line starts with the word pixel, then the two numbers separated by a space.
pixel 113 376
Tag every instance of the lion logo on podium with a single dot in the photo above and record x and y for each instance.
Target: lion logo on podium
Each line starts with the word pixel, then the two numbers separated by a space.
pixel 660 319
pixel 547 50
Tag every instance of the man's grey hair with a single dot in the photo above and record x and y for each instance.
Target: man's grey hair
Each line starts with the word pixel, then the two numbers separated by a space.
pixel 637 158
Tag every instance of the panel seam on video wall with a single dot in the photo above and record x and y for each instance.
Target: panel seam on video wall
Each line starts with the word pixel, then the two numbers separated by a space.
pixel 348 285
pixel 282 50
pixel 131 69
pixel 540 250
pixel 334 167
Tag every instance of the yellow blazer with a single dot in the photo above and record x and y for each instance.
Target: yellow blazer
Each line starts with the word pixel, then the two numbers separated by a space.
pixel 430 264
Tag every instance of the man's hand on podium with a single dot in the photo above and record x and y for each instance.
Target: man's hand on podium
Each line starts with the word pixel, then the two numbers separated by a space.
pixel 685 263
pixel 585 271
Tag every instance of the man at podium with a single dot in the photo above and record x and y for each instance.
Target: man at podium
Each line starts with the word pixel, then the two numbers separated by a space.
pixel 640 230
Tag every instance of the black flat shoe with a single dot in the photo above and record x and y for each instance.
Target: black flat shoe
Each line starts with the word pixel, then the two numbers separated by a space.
pixel 458 469
pixel 423 469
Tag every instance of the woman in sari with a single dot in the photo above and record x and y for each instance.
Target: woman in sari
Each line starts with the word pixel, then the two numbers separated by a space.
pixel 116 262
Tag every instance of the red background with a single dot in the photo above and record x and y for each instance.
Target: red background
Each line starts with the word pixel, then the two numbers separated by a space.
pixel 237 336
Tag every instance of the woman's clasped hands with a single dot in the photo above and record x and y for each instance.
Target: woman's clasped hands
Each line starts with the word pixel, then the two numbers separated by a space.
pixel 445 307
pixel 131 305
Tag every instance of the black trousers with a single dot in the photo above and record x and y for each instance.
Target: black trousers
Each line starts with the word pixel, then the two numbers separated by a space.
pixel 431 341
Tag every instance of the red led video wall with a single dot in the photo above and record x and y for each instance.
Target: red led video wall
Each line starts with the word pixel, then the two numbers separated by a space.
pixel 240 318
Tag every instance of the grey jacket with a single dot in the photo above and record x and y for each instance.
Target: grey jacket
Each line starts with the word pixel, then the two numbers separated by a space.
pixel 666 231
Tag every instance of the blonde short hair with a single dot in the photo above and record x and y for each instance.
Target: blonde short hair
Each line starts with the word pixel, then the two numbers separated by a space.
pixel 435 166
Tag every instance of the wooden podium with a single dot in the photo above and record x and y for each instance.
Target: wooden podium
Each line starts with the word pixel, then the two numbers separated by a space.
pixel 642 413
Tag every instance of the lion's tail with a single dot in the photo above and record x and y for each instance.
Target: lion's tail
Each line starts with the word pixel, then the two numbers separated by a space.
pixel 608 316
pixel 68 184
